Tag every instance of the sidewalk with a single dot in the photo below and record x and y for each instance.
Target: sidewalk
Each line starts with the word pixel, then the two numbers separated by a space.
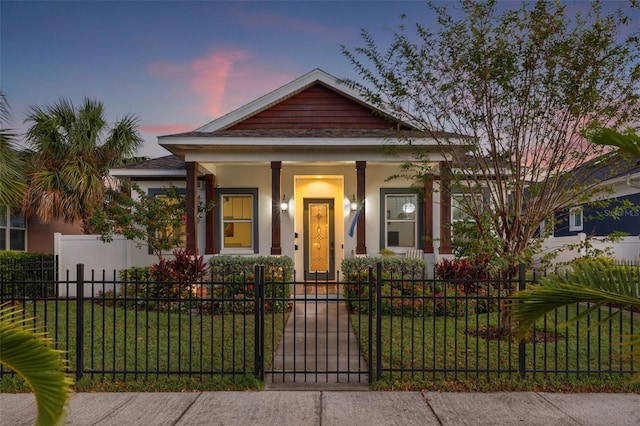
pixel 282 408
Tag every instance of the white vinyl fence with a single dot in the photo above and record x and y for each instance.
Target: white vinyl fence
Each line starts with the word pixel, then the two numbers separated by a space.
pixel 627 249
pixel 96 257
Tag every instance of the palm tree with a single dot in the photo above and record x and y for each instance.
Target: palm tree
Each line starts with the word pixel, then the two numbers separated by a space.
pixel 12 183
pixel 72 152
pixel 26 351
pixel 596 283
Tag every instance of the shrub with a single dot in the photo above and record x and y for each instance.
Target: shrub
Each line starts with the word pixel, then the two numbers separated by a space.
pixel 462 269
pixel 234 279
pixel 405 292
pixel 357 268
pixel 157 286
pixel 277 268
pixel 27 274
pixel 356 271
pixel 599 261
pixel 415 299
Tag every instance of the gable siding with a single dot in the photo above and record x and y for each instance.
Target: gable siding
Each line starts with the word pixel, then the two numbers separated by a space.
pixel 602 221
pixel 317 107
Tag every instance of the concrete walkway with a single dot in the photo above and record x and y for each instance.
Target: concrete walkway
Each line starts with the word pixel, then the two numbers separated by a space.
pixel 319 349
pixel 283 408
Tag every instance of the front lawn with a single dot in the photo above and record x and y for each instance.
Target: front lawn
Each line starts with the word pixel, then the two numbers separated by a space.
pixel 439 352
pixel 128 349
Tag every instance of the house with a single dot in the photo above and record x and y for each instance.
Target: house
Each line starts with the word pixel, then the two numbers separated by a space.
pixel 303 171
pixel 29 233
pixel 588 227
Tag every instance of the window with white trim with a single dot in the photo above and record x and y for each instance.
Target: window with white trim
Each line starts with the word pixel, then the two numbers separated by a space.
pixel 460 206
pixel 576 219
pixel 13 231
pixel 238 213
pixel 401 220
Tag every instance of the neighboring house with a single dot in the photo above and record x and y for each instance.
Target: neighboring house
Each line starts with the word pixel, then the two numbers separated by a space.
pixel 303 171
pixel 618 212
pixel 21 233
pixel 621 211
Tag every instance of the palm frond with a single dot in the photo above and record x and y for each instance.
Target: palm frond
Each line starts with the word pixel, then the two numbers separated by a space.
pixel 29 353
pixel 592 283
pixel 73 152
pixel 627 142
pixel 12 185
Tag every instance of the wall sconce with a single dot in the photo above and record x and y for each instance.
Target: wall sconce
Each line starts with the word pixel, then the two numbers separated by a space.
pixel 284 205
pixel 354 204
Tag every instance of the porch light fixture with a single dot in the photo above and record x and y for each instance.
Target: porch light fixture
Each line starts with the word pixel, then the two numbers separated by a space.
pixel 408 207
pixel 284 205
pixel 354 204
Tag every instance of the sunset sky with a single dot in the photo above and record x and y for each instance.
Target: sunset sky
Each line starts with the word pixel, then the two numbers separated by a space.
pixel 177 65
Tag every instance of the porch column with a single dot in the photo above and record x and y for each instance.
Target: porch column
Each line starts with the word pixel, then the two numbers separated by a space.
pixel 427 217
pixel 191 209
pixel 445 208
pixel 209 218
pixel 361 240
pixel 276 168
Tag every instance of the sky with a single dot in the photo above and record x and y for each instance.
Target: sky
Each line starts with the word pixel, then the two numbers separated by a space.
pixel 177 65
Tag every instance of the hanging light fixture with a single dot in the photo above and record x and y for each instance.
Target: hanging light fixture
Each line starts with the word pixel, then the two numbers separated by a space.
pixel 408 207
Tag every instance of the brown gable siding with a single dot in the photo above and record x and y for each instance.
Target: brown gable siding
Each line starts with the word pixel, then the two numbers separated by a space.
pixel 317 107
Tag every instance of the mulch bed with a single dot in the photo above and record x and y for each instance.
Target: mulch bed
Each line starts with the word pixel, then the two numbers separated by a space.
pixel 498 333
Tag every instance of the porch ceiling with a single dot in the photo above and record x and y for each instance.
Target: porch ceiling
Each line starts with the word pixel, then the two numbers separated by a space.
pixel 210 166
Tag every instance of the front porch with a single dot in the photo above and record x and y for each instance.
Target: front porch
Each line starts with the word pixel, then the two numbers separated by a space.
pixel 307 210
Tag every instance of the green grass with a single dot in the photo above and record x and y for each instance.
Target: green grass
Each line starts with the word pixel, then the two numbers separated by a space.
pixel 123 340
pixel 444 356
pixel 119 342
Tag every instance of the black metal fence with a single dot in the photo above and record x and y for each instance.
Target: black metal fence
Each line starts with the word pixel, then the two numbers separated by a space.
pixel 458 329
pixel 402 328
pixel 28 275
pixel 117 329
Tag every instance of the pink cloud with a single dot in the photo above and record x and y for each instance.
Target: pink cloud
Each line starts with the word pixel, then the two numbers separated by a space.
pixel 223 80
pixel 209 76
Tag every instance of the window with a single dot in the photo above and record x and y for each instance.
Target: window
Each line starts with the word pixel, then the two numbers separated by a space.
pixel 401 222
pixel 13 231
pixel 168 231
pixel 460 204
pixel 238 211
pixel 575 219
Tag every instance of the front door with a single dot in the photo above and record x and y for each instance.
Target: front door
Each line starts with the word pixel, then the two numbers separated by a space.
pixel 319 239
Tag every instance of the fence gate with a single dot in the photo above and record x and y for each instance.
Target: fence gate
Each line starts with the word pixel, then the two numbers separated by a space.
pixel 318 344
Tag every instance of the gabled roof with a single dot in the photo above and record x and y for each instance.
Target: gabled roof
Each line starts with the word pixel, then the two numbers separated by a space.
pixel 313 118
pixel 289 90
pixel 606 167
